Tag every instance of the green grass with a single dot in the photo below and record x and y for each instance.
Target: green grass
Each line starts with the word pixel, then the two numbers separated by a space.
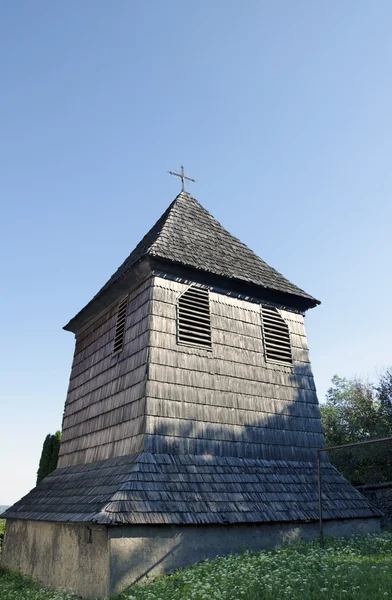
pixel 356 569
pixel 15 587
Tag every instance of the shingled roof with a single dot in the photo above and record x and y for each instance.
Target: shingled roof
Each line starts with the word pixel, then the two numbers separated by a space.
pixel 188 235
pixel 188 489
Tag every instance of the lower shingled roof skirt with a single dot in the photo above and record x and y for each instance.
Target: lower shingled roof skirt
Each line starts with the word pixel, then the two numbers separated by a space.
pixel 164 489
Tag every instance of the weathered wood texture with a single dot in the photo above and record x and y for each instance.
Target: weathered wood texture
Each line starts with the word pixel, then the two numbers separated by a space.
pixel 179 488
pixel 167 434
pixel 163 433
pixel 105 408
pixel 228 401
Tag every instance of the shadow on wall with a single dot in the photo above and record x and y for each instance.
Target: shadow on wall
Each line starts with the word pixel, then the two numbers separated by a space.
pixel 217 480
pixel 226 486
pixel 166 548
pixel 246 426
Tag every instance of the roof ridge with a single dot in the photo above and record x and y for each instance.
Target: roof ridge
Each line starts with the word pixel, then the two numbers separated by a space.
pixel 245 246
pixel 167 212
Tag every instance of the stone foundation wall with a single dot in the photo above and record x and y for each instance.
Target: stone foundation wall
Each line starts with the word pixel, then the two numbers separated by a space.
pixel 97 561
pixel 71 557
pixel 381 496
pixel 139 552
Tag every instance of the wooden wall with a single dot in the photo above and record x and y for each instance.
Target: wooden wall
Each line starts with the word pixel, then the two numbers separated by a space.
pixel 228 401
pixel 161 397
pixel 105 408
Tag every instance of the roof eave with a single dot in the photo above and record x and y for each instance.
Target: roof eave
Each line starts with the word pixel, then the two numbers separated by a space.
pixel 242 287
pixel 130 279
pixel 144 268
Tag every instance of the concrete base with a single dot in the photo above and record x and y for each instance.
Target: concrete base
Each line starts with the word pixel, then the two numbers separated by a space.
pixel 140 552
pixel 69 557
pixel 97 561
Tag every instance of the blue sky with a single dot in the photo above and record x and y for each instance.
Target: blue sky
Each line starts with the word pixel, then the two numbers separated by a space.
pixel 280 110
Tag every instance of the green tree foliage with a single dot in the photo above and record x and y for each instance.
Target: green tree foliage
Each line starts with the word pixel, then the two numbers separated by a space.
pixel 356 411
pixel 49 455
pixel 384 393
pixel 2 528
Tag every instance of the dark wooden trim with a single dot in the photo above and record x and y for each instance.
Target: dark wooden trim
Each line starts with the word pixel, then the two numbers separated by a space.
pixel 232 287
pixel 102 301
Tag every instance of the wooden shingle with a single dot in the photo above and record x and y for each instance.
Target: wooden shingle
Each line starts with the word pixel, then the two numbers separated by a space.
pixel 151 490
pixel 175 413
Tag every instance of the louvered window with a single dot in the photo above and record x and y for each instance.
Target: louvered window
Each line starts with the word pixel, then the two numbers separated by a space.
pixel 120 326
pixel 276 336
pixel 194 326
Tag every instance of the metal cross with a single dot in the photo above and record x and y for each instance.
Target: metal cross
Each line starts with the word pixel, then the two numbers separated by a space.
pixel 183 177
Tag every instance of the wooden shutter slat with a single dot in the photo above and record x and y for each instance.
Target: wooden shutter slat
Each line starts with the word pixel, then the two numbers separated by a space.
pixel 194 330
pixel 276 335
pixel 191 314
pixel 120 326
pixel 194 326
pixel 280 337
pixel 196 302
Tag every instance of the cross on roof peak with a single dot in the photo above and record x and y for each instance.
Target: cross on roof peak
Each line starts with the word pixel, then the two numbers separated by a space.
pixel 183 177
